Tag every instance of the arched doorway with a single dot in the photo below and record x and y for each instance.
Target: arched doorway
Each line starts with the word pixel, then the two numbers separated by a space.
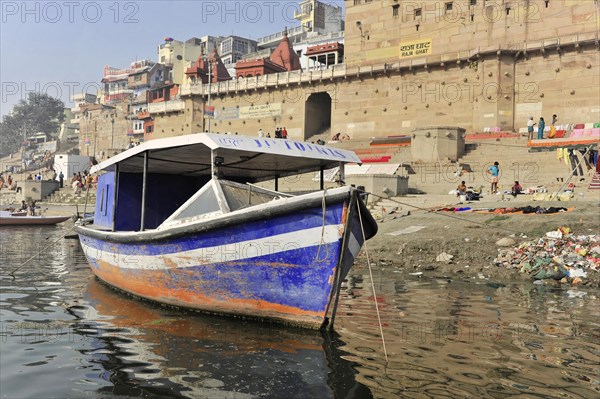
pixel 317 114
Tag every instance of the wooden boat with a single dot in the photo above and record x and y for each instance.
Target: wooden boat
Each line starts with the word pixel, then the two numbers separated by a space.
pixel 175 223
pixel 21 219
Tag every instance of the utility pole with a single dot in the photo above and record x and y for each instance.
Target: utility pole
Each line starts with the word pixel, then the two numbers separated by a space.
pixel 112 133
pixel 209 84
pixel 95 138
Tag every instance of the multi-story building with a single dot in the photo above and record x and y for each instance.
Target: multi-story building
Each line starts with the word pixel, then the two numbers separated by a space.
pixel 320 17
pixel 144 75
pixel 115 85
pixel 233 48
pixel 78 101
pixel 103 129
pixel 316 18
pixel 479 64
pixel 178 55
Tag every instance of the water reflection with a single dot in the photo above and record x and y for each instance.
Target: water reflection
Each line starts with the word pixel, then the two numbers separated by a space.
pixel 151 349
pixel 471 339
pixel 65 334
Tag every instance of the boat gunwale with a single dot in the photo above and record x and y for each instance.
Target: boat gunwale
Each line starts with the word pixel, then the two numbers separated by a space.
pixel 245 215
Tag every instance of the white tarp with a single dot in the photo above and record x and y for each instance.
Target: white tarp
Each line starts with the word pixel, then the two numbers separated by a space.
pixel 357 169
pixel 328 174
pixel 383 168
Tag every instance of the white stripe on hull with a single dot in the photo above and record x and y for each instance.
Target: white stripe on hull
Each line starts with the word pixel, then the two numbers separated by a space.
pixel 221 253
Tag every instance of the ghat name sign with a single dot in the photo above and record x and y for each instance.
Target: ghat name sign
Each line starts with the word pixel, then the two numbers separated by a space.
pixel 416 48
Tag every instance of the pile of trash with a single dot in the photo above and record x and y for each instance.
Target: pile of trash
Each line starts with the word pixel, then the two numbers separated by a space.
pixel 558 255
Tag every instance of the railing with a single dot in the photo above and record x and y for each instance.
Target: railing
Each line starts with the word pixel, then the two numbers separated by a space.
pixel 270 80
pixel 166 106
pixel 279 35
pixel 341 70
pixel 143 115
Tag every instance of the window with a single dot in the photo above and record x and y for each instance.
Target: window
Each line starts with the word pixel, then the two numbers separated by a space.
pixel 418 12
pixel 472 2
pixel 226 46
pixel 448 7
pixel 356 2
pixel 395 10
pixel 240 46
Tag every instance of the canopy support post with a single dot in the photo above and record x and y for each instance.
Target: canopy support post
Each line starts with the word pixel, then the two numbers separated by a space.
pixel 342 174
pixel 213 167
pixel 115 198
pixel 276 183
pixel 144 180
pixel 322 178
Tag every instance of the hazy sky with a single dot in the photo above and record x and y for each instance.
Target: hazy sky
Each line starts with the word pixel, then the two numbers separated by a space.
pixel 60 47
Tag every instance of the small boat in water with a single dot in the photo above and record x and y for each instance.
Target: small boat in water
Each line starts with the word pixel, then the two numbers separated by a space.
pixel 8 218
pixel 178 221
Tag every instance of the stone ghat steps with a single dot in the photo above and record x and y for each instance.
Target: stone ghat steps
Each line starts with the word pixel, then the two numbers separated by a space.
pixel 66 195
pixel 8 197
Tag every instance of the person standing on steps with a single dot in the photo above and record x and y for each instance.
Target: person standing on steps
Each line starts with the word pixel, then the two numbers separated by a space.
pixel 530 125
pixel 494 170
pixel 541 126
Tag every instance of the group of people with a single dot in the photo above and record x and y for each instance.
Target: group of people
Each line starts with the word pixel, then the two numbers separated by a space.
pixel 29 207
pixel 8 183
pixel 280 133
pixel 541 125
pixel 81 182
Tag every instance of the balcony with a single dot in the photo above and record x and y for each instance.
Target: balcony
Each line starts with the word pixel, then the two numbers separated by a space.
pixel 75 121
pixel 143 115
pixel 166 106
pixel 272 80
pixel 278 36
pixel 304 13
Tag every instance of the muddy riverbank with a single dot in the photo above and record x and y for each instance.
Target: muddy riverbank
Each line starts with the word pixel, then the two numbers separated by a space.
pixel 413 242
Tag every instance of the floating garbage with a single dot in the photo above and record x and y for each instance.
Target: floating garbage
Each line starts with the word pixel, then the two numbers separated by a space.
pixel 558 255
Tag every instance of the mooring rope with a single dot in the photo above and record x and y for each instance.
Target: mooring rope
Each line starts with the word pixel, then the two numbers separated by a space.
pixel 362 228
pixel 11 273
pixel 324 209
pixel 483 224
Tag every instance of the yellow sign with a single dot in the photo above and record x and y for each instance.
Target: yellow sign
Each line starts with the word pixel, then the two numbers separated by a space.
pixel 417 48
pixel 260 111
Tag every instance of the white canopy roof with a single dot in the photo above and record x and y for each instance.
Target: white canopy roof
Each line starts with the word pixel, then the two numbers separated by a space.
pixel 251 158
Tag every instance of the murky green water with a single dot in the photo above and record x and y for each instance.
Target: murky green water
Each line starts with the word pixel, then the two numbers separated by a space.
pixel 64 334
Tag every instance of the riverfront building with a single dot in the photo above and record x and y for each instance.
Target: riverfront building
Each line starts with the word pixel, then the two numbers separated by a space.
pixel 481 65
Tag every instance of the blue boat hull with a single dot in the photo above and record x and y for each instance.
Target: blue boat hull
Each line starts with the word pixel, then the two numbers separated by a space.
pixel 280 268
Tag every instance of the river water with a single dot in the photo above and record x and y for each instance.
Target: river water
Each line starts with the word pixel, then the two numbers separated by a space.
pixel 63 334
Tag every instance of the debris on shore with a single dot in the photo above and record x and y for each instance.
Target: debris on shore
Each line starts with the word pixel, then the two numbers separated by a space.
pixel 559 255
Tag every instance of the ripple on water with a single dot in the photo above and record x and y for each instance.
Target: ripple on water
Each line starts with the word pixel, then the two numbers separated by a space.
pixel 462 339
pixel 64 334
